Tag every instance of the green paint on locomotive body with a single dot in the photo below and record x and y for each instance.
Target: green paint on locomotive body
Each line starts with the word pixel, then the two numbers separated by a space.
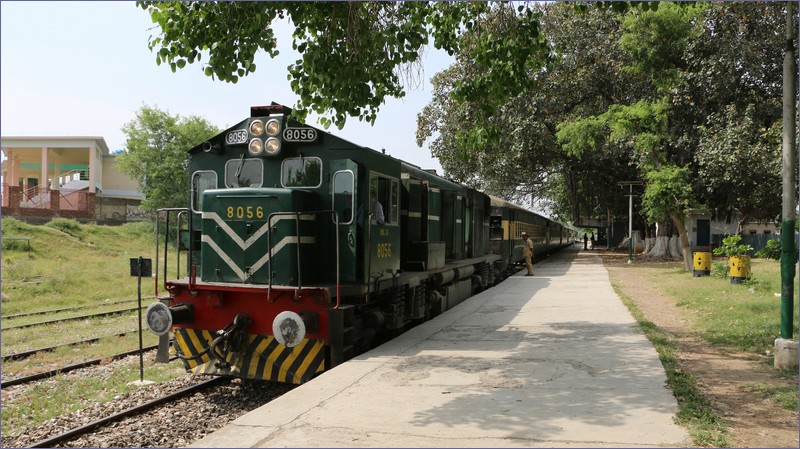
pixel 270 219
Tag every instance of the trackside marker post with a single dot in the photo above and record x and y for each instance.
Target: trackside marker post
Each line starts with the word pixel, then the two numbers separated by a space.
pixel 141 267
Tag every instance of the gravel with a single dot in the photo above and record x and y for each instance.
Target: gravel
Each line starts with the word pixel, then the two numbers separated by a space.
pixel 176 424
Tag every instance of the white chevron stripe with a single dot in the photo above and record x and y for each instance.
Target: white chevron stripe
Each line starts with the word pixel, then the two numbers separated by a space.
pixel 260 263
pixel 223 256
pixel 244 244
pixel 285 241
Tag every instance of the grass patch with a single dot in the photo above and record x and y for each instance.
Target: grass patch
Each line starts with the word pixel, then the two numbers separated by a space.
pixel 741 318
pixel 694 410
pixel 63 394
pixel 786 396
pixel 65 271
pixel 67 226
pixel 70 265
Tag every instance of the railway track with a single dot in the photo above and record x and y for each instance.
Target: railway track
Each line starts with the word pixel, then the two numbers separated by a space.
pixel 68 368
pixel 32 352
pixel 61 320
pixel 67 309
pixel 133 411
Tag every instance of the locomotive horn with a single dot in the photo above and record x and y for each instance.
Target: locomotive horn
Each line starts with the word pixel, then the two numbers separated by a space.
pixel 208 147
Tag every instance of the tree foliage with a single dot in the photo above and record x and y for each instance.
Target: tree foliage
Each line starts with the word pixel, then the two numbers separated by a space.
pixel 352 54
pixel 157 144
pixel 514 152
pixel 655 85
pixel 667 190
pixel 682 93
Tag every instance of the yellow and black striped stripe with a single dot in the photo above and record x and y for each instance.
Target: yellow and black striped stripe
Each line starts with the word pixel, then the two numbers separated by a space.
pixel 263 358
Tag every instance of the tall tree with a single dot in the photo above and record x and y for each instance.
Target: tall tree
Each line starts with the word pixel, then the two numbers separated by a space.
pixel 352 54
pixel 513 152
pixel 157 154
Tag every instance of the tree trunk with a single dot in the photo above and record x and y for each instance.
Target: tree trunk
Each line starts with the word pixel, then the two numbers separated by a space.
pixel 687 250
pixel 660 248
pixel 674 247
pixel 649 241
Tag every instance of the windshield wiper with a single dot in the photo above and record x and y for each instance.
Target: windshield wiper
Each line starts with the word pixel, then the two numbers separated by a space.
pixel 239 171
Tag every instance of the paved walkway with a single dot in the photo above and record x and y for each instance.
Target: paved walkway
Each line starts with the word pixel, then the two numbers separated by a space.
pixel 552 360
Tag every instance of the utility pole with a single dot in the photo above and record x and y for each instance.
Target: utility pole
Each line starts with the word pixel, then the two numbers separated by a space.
pixel 630 184
pixel 785 347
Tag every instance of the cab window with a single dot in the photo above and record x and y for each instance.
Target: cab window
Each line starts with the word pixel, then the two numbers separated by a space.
pixel 301 172
pixel 244 173
pixel 343 198
pixel 202 181
pixel 384 200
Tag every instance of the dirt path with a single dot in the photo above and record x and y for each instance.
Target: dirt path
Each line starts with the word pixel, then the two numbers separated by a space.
pixel 721 376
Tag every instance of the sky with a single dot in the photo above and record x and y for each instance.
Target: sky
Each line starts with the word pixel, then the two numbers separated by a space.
pixel 84 69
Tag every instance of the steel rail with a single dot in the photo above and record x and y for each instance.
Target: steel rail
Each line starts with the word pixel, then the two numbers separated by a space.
pixel 44 312
pixel 82 317
pixel 26 354
pixel 65 369
pixel 52 441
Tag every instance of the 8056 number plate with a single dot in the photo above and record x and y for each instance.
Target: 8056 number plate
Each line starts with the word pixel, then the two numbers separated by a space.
pixel 300 134
pixel 234 137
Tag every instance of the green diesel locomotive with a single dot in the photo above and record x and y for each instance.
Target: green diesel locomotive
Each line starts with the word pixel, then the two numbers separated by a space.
pixel 303 250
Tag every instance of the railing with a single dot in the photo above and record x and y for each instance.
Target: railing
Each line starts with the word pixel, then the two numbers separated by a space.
pixel 183 217
pixel 180 215
pixel 38 197
pixel 73 175
pixel 300 265
pixel 35 198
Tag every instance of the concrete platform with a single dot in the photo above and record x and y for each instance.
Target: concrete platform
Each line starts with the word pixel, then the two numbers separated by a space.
pixel 553 360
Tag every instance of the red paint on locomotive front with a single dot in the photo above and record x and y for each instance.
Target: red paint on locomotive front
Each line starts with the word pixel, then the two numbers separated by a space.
pixel 215 307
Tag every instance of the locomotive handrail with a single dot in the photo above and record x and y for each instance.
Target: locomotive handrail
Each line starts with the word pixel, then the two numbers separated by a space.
pixel 166 212
pixel 297 215
pixel 178 240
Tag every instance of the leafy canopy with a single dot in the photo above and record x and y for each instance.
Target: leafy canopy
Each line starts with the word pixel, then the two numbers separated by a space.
pixel 353 55
pixel 156 157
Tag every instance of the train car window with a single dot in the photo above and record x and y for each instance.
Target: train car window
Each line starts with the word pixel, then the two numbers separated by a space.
pixel 384 203
pixel 244 173
pixel 343 198
pixel 301 172
pixel 201 181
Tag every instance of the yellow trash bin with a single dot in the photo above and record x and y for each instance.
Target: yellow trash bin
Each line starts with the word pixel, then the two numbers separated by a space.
pixel 740 268
pixel 702 264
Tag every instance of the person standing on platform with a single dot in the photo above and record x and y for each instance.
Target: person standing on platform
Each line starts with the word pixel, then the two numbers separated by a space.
pixel 592 240
pixel 527 251
pixel 585 241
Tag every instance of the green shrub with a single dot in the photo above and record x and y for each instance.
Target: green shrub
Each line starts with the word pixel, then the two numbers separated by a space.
pixel 12 225
pixel 771 251
pixel 719 270
pixel 68 226
pixel 14 245
pixel 731 247
pixel 139 228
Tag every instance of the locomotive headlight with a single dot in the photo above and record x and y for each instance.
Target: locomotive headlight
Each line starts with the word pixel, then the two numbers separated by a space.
pixel 256 146
pixel 273 146
pixel 273 127
pixel 256 127
pixel 158 318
